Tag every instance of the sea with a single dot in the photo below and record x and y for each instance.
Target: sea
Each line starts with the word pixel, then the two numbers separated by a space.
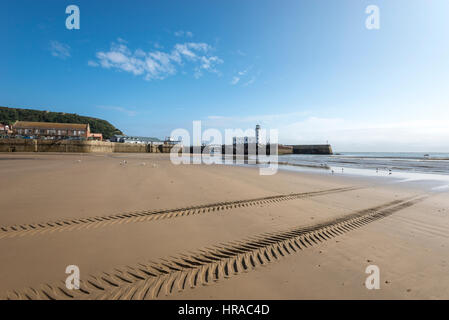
pixel 430 170
pixel 413 162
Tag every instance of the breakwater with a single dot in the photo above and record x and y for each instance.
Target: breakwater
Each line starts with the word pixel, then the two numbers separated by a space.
pixel 79 146
pixel 83 146
pixel 312 149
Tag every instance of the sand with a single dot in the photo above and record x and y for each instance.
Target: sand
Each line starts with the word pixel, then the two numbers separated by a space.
pixel 131 229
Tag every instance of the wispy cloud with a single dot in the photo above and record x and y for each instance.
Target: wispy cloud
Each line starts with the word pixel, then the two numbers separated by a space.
pixel 126 111
pixel 158 64
pixel 59 50
pixel 92 63
pixel 231 120
pixel 182 33
pixel 242 78
pixel 216 117
pixel 303 127
pixel 241 53
pixel 369 135
pixel 250 81
pixel 235 80
pixel 157 45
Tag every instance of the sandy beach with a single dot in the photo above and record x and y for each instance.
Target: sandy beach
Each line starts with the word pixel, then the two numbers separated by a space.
pixel 139 227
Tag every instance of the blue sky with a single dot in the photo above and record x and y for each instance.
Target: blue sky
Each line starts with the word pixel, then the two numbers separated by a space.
pixel 310 68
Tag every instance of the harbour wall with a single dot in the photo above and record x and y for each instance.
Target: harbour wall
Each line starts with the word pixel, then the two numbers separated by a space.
pixel 236 149
pixel 78 146
pixel 312 149
pixel 82 146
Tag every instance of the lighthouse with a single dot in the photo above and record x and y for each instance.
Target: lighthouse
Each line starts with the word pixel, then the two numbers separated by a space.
pixel 257 134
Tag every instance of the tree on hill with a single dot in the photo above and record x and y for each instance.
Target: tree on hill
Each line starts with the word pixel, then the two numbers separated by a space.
pixel 11 115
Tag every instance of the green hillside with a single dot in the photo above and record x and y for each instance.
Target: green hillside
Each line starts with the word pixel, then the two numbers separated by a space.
pixel 10 115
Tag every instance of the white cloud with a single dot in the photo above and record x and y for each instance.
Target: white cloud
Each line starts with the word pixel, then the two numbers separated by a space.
pixel 345 135
pixel 260 118
pixel 235 80
pixel 215 117
pixel 182 33
pixel 425 135
pixel 250 81
pixel 59 50
pixel 92 63
pixel 158 64
pixel 241 53
pixel 242 77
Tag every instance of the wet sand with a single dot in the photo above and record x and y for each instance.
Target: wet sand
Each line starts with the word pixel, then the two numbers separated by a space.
pixel 149 229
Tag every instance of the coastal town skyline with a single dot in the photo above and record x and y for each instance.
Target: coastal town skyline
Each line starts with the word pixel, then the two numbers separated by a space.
pixel 326 78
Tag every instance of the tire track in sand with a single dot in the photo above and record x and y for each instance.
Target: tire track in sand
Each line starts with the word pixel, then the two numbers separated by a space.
pixel 28 229
pixel 189 270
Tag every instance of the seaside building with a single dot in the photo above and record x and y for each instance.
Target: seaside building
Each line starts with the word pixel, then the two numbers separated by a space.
pixel 140 140
pixel 116 138
pixel 171 141
pixel 5 129
pixel 248 140
pixel 50 130
pixel 243 140
pixel 143 140
pixel 96 136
